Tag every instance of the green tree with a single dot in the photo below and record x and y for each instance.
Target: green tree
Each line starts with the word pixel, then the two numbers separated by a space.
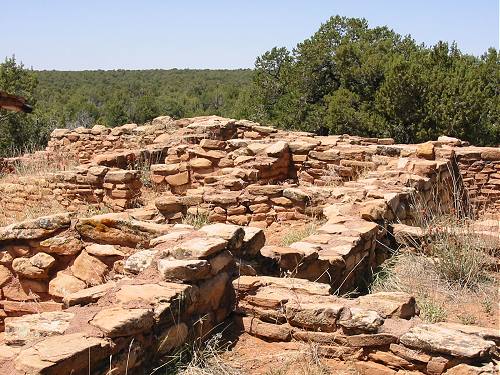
pixel 18 131
pixel 348 77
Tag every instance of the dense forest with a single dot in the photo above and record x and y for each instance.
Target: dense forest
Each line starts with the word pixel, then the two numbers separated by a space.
pixel 346 78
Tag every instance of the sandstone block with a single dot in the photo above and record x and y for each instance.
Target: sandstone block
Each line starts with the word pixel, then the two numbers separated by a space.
pixel 443 340
pixel 89 269
pixel 199 247
pixel 118 321
pixel 62 354
pixel 36 267
pixel 139 261
pixel 64 284
pixel 185 270
pixel 21 330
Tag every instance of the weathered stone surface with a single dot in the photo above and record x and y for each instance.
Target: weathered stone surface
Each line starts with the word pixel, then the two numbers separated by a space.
pixel 89 269
pixel 63 354
pixel 64 284
pixel 465 369
pixel 63 244
pixel 139 261
pixel 21 330
pixel 5 275
pixel 360 321
pixel 273 332
pixel 199 247
pixel 438 339
pixel 390 304
pixel 178 179
pixel 36 267
pixel 118 321
pixel 314 316
pixel 426 151
pixel 253 241
pixel 121 176
pixel 104 251
pixel 168 204
pixel 152 294
pixel 233 234
pixel 183 269
pixel 35 229
pixel 490 334
pixel 88 295
pixel 296 194
pixel 372 368
pixel 115 229
pixel 200 163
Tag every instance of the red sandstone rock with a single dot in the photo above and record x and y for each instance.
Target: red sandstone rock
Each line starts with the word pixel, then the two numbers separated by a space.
pixel 89 269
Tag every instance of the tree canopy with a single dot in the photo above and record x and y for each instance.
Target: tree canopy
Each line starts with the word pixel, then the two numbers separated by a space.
pixel 350 78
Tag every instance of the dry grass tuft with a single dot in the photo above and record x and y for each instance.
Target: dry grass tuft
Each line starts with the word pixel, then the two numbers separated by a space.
pixel 297 234
pixel 197 220
pixel 199 358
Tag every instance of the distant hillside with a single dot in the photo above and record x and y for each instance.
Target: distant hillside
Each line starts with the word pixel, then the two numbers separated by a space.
pixel 119 96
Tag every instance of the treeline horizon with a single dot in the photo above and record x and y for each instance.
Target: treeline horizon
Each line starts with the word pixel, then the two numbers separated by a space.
pixel 345 78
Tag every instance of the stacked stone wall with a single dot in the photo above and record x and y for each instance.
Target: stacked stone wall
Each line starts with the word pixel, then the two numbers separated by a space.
pixel 81 189
pixel 480 170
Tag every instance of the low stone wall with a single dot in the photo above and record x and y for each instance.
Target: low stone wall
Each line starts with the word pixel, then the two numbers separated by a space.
pixel 378 333
pixel 74 190
pixel 128 292
pixel 83 144
pixel 125 291
pixel 480 170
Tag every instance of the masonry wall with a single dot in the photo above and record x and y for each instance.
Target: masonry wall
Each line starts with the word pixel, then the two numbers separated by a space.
pixel 480 170
pixel 75 190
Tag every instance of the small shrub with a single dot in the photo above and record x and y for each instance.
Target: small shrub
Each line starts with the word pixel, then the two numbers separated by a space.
pixel 467 319
pixel 487 306
pixel 431 312
pixel 457 257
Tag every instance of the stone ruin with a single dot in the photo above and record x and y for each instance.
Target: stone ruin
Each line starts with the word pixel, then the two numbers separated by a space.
pixel 113 292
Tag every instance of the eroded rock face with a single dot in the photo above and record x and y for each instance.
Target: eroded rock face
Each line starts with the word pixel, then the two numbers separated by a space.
pixel 64 284
pixel 41 227
pixel 20 331
pixel 36 267
pixel 438 339
pixel 89 269
pixel 184 269
pixel 63 244
pixel 114 229
pixel 139 261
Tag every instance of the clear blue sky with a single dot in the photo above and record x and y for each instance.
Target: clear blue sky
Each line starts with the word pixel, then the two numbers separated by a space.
pixel 113 34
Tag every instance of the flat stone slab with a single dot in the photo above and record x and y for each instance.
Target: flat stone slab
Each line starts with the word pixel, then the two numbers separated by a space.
pixel 184 269
pixel 199 248
pixel 21 330
pixel 88 295
pixel 443 340
pixel 150 294
pixel 63 354
pixel 35 229
pixel 119 321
